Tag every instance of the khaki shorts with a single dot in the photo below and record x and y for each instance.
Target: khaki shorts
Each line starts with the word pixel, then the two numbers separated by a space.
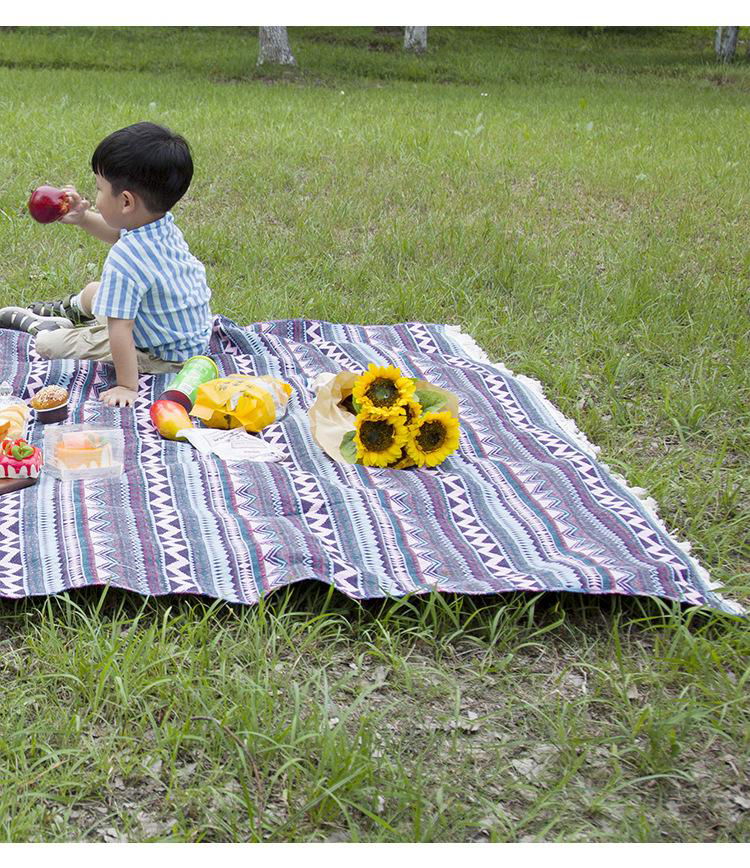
pixel 92 342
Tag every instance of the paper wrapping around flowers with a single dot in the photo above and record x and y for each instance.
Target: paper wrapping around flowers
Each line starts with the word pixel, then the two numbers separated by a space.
pixel 329 422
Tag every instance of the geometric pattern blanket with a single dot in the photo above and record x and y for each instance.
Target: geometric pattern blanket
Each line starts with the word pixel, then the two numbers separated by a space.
pixel 522 505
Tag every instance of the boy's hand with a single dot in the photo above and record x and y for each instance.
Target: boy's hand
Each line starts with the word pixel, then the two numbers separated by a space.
pixel 78 207
pixel 120 396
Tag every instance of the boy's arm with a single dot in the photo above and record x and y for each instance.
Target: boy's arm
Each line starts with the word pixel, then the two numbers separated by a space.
pixel 94 224
pixel 126 363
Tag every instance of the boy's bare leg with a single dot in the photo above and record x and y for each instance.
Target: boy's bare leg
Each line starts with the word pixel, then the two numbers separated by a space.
pixel 86 298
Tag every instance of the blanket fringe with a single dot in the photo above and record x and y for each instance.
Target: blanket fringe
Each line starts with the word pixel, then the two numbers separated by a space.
pixel 475 352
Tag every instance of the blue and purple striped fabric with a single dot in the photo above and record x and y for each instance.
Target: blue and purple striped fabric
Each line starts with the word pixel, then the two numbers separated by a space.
pixel 522 505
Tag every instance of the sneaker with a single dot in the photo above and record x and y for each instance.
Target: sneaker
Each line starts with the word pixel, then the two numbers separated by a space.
pixel 21 319
pixel 61 307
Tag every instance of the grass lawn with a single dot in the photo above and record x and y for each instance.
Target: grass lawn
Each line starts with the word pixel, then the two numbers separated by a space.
pixel 576 200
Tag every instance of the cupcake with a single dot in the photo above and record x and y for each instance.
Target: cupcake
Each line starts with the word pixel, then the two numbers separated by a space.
pixel 51 404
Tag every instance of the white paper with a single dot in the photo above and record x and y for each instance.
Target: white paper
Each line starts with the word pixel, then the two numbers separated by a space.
pixel 233 445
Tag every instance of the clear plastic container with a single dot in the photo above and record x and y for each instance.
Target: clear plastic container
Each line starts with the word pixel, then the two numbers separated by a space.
pixel 83 451
pixel 7 398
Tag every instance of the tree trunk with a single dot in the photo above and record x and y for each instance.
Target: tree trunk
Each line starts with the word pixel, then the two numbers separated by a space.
pixel 273 46
pixel 726 43
pixel 415 39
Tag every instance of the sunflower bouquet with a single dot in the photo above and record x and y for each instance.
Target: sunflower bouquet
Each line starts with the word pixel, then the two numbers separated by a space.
pixel 381 418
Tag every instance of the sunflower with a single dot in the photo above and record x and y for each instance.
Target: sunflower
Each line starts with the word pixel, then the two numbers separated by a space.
pixel 432 438
pixel 403 461
pixel 412 411
pixel 379 440
pixel 380 390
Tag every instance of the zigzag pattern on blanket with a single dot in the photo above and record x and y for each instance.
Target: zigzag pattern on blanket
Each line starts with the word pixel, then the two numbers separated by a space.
pixel 522 505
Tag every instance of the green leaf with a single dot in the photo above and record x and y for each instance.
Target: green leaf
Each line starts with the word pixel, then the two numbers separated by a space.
pixel 348 448
pixel 357 406
pixel 431 402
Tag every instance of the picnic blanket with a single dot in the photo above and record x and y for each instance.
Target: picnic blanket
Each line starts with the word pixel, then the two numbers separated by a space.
pixel 522 505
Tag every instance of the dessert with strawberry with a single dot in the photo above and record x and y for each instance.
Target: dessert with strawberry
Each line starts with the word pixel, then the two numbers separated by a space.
pixel 19 460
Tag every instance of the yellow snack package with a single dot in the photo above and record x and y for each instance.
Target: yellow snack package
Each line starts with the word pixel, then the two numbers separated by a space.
pixel 241 401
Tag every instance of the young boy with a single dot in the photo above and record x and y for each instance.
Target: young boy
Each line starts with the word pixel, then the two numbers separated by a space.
pixel 149 312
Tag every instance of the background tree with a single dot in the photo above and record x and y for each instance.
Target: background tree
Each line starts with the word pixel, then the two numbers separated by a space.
pixel 726 43
pixel 415 39
pixel 273 46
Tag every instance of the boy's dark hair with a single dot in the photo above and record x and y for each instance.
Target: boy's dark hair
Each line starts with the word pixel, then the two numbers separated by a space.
pixel 150 160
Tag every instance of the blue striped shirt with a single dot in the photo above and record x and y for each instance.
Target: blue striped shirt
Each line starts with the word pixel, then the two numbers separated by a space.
pixel 151 277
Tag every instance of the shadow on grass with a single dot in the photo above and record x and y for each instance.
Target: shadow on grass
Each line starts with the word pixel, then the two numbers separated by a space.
pixel 444 617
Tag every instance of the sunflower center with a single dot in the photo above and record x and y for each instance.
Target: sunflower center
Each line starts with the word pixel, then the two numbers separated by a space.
pixel 382 392
pixel 431 436
pixel 376 436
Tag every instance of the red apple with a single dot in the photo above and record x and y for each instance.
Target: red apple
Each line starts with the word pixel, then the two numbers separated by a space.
pixel 48 204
